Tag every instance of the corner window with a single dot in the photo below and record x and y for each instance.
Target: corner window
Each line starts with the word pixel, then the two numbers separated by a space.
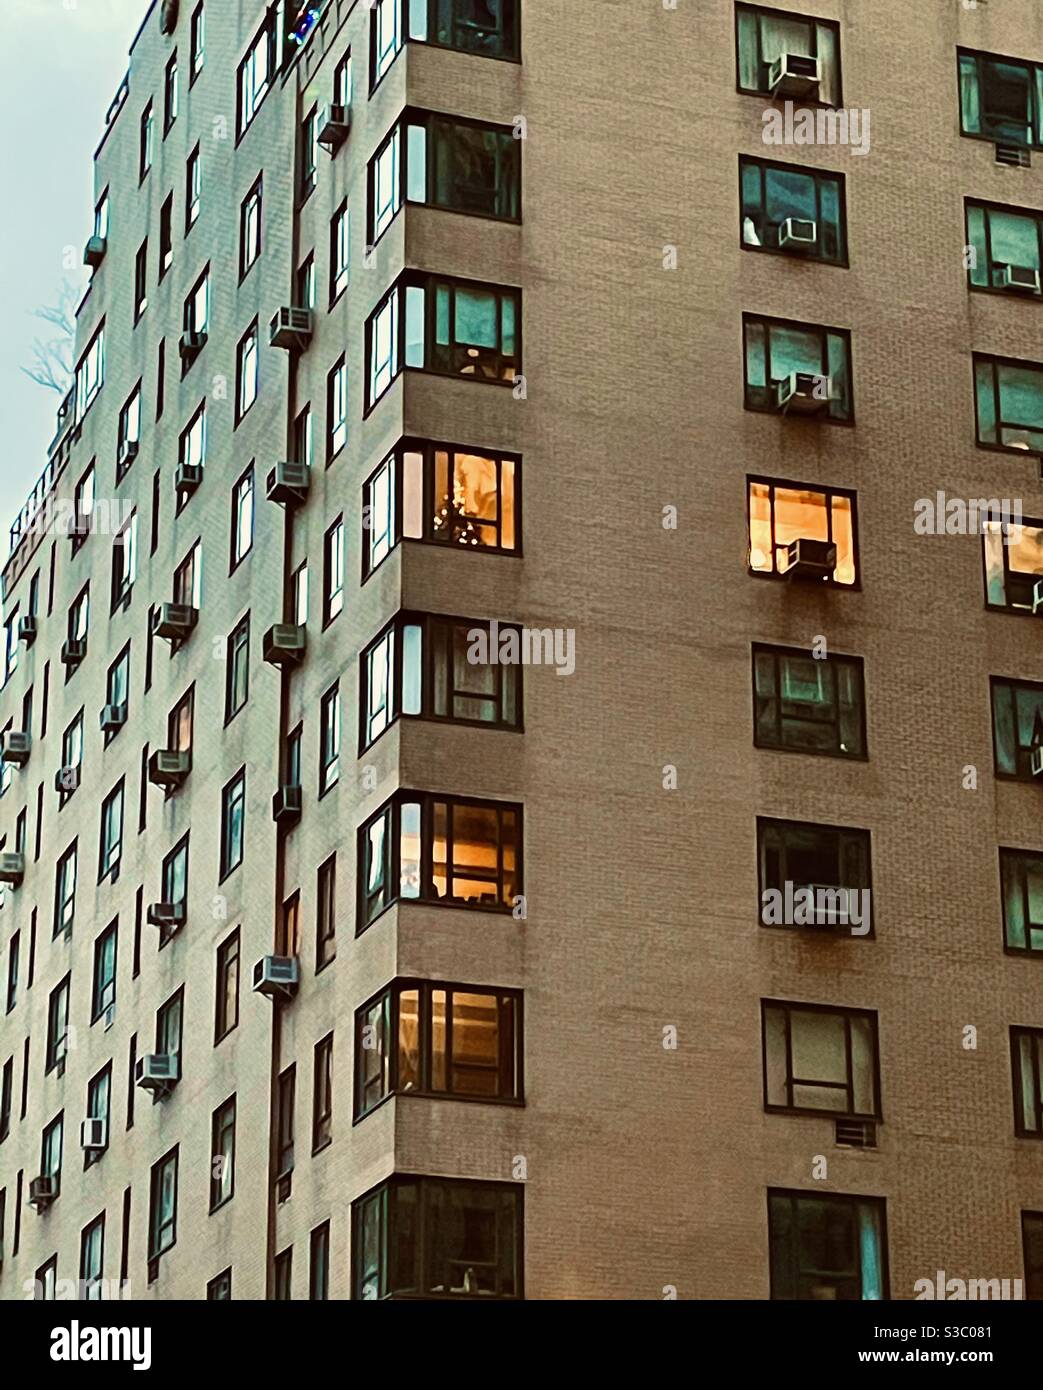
pixel 807 705
pixel 1008 398
pixel 781 515
pixel 827 1247
pixel 791 209
pixel 1017 728
pixel 416 1237
pixel 766 38
pixel 820 1060
pixel 451 327
pixel 424 1038
pixel 1026 1052
pixel 1021 885
pixel 433 667
pixel 804 855
pixel 798 369
pixel 1004 248
pixel 1001 99
pixel 423 847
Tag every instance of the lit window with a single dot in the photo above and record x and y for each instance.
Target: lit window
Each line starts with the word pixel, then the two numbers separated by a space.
pixel 257 70
pixel 781 516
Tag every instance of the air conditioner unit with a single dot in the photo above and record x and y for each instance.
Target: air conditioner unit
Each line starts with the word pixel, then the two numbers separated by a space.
pixel 286 805
pixel 73 651
pixel 803 393
pixel 277 975
pixel 42 1192
pixel 288 482
pixel 174 621
pixel 128 452
pixel 12 868
pixel 798 232
pixel 94 1135
pixel 167 914
pixel 284 644
pixel 27 629
pixel 794 75
pixel 168 767
pixel 187 477
pixel 808 559
pixel 157 1072
pixel 67 779
pixel 1037 596
pixel 1037 771
pixel 826 917
pixel 1019 277
pixel 15 747
pixel 190 344
pixel 290 328
pixel 94 251
pixel 113 717
pixel 855 1134
pixel 334 126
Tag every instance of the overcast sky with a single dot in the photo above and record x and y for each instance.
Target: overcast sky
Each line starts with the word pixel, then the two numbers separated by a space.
pixel 60 65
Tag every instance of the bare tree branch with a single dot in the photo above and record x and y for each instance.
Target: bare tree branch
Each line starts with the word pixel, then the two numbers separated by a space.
pixel 51 364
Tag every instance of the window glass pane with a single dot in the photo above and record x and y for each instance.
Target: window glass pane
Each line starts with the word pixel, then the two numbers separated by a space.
pixel 409 849
pixel 412 668
pixel 414 326
pixel 416 163
pixel 476 1045
pixel 475 857
pixel 408 1040
pixel 438 1040
pixel 413 495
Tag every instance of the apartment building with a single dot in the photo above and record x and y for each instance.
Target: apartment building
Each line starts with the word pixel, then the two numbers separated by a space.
pixel 339 961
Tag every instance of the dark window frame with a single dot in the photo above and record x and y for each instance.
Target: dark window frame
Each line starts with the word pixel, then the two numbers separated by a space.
pixel 228 959
pixel 1035 121
pixel 1025 577
pixel 989 206
pixel 828 492
pixel 1022 756
pixel 790 1006
pixel 1011 857
pixel 851 1200
pixel 823 331
pixel 856 663
pixel 770 12
pixel 851 841
pixel 995 361
pixel 1017 1032
pixel 841 260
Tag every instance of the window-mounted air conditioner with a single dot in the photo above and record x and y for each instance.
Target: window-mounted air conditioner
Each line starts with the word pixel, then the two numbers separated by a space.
pixel 94 251
pixel 187 477
pixel 803 393
pixel 190 344
pixel 167 916
pixel 174 621
pixel 1023 278
pixel 157 1072
pixel 277 975
pixel 284 644
pixel 794 75
pixel 94 1135
pixel 797 234
pixel 73 650
pixel 286 804
pixel 42 1192
pixel 12 868
pixel 809 559
pixel 168 767
pixel 290 328
pixel 288 482
pixel 334 127
pixel 113 717
pixel 27 628
pixel 15 747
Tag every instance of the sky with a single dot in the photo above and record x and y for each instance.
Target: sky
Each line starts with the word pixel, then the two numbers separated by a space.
pixel 60 66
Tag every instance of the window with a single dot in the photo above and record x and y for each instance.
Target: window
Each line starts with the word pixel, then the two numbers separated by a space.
pixel 12 972
pixel 103 990
pixel 326 916
pixel 306 283
pixel 1026 1052
pixel 827 1246
pixel 90 373
pixel 101 216
pixel 333 572
pixel 319 1263
pixel 227 1006
pixel 246 366
pixel 161 371
pixel 386 35
pixel 141 280
pixel 65 891
pixel 256 71
pixel 329 739
pixel 170 92
pixel 124 563
pixel 57 1025
pixel 808 705
pixel 250 229
pixel 233 812
pixel 342 81
pixel 292 757
pixel 340 252
pixel 792 209
pixel 188 579
pixel 1001 99
pixel 419 1037
pixel 6 1088
pixel 222 1154
pixel 1017 726
pixel 197 43
pixel 1008 400
pixel 336 410
pixel 242 517
pixel 285 1106
pixel 309 153
pixel 485 27
pixel 806 855
pixel 322 1097
pixel 117 687
pixel 764 35
pixel 1032 1245
pixel 445 162
pixel 145 142
pixel 169 1025
pixel 162 1206
pixel 778 354
pixel 179 723
pixel 129 433
pixel 99 1100
pixel 452 327
pixel 1005 247
pixel 46 1281
pixel 299 589
pixel 237 669
pixel 197 305
pixel 283 1275
pixel 433 668
pixel 781 514
pixel 820 1060
pixel 174 874
pixel 193 190
pixel 220 1287
pixel 51 1149
pixel 92 1244
pixel 302 438
pixel 416 1237
pixel 438 849
pixel 192 440
pixel 79 616
pixel 1021 885
pixel 72 759
pixel 110 846
pixel 1013 560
